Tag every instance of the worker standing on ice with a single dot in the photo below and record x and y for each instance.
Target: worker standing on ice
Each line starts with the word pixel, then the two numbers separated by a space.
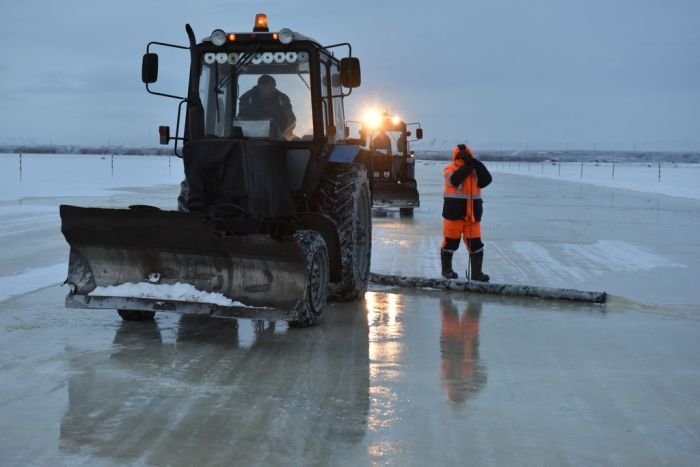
pixel 462 210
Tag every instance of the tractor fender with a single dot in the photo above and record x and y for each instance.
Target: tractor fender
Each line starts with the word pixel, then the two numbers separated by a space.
pixel 344 153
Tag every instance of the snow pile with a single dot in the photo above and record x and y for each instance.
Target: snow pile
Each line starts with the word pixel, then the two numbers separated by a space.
pixel 178 292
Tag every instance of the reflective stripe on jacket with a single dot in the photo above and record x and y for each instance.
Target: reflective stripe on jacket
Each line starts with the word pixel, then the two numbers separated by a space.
pixel 464 200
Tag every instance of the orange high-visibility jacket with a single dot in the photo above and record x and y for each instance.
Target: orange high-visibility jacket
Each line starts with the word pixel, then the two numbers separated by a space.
pixel 463 184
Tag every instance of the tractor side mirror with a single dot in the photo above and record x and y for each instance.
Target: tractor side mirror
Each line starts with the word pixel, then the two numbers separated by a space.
pixel 350 72
pixel 419 133
pixel 149 68
pixel 164 133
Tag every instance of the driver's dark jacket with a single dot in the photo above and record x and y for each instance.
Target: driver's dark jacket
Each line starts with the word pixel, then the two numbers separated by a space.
pixel 278 108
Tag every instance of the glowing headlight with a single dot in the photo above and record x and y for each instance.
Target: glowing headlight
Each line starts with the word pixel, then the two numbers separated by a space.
pixel 395 120
pixel 286 35
pixel 218 37
pixel 372 119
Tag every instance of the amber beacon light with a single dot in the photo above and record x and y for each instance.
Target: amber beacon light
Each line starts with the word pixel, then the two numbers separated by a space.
pixel 260 23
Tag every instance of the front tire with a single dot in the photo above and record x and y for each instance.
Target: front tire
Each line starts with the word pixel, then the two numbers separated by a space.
pixel 308 312
pixel 345 198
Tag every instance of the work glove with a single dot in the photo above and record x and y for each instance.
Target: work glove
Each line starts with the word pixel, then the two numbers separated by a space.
pixel 464 156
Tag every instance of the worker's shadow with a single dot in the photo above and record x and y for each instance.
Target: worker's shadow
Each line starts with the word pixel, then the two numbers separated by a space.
pixel 461 371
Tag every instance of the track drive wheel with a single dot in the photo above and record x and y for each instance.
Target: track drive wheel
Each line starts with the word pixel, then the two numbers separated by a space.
pixel 406 212
pixel 308 311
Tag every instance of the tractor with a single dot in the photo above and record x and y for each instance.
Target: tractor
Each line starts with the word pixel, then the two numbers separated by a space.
pixel 392 163
pixel 274 214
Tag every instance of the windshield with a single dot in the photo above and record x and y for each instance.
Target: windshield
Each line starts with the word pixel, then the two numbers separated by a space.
pixel 392 142
pixel 266 94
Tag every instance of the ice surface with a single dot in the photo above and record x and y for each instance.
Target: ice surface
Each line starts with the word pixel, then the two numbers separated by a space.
pixel 399 377
pixel 573 262
pixel 32 279
pixel 555 233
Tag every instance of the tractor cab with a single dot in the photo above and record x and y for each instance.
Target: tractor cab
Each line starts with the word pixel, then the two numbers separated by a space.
pixel 264 89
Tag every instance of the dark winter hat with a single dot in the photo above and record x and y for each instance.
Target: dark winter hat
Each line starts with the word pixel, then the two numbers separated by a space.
pixel 266 80
pixel 462 151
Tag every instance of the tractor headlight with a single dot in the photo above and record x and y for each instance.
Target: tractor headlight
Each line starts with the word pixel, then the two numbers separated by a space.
pixel 286 35
pixel 372 119
pixel 218 37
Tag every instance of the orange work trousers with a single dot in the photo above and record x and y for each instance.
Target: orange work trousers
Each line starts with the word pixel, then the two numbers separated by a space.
pixel 455 230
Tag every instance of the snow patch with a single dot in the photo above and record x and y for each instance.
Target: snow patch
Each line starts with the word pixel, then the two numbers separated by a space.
pixel 178 292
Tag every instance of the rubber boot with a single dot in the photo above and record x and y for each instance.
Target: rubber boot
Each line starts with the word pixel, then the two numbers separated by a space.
pixel 477 260
pixel 446 259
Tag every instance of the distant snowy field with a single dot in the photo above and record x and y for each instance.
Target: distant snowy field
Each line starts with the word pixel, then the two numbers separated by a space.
pixel 680 180
pixel 51 175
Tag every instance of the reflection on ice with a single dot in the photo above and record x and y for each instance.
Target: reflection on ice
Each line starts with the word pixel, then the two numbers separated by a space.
pixel 462 373
pixel 382 311
pixel 383 317
pixel 167 395
pixel 385 350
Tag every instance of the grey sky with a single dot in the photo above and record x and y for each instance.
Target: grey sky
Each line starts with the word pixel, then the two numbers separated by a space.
pixel 497 73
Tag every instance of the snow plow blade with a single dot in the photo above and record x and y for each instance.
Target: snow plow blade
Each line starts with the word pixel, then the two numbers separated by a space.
pixel 490 288
pixel 116 250
pixel 395 195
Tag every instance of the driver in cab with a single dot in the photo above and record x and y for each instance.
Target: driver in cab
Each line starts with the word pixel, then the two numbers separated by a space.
pixel 265 101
